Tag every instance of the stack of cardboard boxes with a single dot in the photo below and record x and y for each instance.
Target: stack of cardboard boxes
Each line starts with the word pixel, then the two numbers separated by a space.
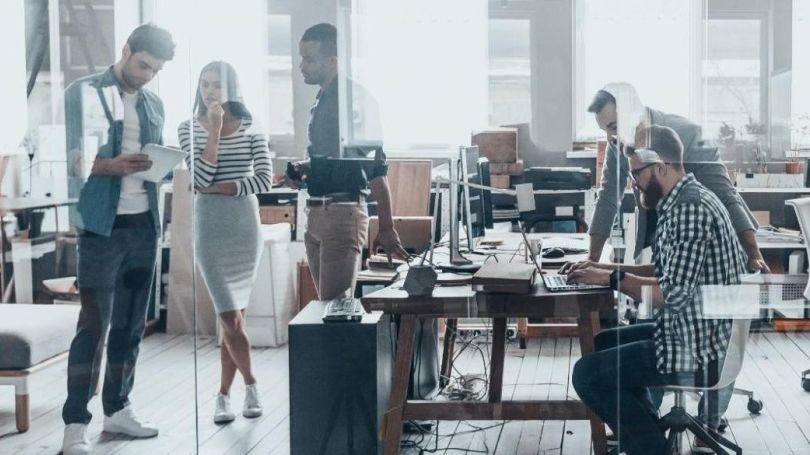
pixel 499 145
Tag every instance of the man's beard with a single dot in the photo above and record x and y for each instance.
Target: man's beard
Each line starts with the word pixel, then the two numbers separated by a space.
pixel 651 195
pixel 137 84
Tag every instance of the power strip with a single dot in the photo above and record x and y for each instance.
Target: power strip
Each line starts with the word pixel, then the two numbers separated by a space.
pixel 485 332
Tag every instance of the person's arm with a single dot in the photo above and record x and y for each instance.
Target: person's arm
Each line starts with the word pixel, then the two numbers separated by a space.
pixel 262 179
pixel 122 165
pixel 712 173
pixel 715 178
pixel 204 171
pixel 596 244
pixel 748 240
pixel 645 270
pixel 611 190
pixel 686 254
pixel 387 237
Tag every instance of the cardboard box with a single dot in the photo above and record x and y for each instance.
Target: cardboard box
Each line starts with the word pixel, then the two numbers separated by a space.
pixel 499 145
pixel 506 168
pixel 500 181
pixel 307 291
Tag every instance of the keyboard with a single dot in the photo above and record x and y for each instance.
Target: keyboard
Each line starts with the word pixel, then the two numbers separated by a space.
pixel 557 283
pixel 343 310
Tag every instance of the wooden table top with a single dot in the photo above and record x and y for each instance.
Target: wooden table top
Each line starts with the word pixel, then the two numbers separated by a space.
pixel 463 301
pixel 16 204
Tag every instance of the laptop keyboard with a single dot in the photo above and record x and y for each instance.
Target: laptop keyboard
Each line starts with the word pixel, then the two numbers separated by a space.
pixel 558 283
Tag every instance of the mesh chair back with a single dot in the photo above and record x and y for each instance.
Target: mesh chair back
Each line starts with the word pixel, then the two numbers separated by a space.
pixel 802 207
pixel 735 353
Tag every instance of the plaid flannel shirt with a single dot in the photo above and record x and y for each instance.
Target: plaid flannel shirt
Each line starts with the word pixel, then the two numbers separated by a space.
pixel 695 244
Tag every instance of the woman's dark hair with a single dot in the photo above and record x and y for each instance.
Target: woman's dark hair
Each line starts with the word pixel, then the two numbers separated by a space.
pixel 153 40
pixel 230 82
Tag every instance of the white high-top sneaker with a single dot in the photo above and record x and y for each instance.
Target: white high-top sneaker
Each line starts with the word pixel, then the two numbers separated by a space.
pixel 223 412
pixel 252 408
pixel 126 422
pixel 75 441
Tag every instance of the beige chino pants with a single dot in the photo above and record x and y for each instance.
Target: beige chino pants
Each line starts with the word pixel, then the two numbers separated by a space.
pixel 334 242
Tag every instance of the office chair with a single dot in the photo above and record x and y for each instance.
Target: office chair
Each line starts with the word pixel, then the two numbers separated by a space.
pixel 677 421
pixel 802 207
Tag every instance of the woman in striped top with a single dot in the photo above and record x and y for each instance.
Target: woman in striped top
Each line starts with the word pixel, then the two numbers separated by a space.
pixel 231 164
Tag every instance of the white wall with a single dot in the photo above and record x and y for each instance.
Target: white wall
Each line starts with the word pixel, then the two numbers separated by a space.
pixel 553 75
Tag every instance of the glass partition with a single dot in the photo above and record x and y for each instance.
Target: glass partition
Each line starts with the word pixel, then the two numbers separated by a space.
pixel 653 151
pixel 86 235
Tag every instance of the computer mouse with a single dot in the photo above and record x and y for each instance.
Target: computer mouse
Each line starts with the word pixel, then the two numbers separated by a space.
pixel 553 253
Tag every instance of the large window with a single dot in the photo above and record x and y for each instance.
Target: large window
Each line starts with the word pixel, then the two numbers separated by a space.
pixel 423 63
pixel 279 75
pixel 510 93
pixel 624 41
pixel 733 74
pixel 800 89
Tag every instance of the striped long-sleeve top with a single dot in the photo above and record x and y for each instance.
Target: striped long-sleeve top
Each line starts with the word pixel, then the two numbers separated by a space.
pixel 243 158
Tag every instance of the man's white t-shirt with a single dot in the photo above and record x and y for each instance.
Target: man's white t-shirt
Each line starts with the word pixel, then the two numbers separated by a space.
pixel 133 194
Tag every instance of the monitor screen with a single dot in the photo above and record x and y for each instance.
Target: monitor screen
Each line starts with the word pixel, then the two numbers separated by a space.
pixel 472 200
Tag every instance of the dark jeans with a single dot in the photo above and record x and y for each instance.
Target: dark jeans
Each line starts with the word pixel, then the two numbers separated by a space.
pixel 115 280
pixel 619 381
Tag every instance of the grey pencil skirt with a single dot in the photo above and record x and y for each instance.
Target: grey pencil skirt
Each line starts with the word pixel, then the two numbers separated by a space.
pixel 228 247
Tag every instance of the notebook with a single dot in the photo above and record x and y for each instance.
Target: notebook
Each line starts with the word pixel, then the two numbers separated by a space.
pixel 509 277
pixel 164 159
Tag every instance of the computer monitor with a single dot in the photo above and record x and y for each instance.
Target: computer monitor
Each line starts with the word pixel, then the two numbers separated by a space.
pixel 461 197
pixel 472 199
pixel 483 170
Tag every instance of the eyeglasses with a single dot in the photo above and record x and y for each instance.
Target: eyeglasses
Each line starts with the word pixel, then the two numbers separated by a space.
pixel 634 173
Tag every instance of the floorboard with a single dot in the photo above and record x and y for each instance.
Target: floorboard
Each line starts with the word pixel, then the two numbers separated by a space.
pixel 165 393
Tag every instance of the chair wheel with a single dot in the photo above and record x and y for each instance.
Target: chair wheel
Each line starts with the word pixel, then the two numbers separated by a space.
pixel 723 425
pixel 754 406
pixel 806 384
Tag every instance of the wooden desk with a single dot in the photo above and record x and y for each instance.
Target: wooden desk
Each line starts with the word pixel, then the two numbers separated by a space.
pixel 9 205
pixel 461 302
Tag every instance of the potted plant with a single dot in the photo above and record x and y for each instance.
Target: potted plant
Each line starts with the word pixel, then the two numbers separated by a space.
pixel 792 165
pixel 758 130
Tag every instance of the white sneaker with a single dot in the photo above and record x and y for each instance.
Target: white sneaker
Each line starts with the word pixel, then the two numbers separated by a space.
pixel 252 408
pixel 126 422
pixel 75 441
pixel 223 412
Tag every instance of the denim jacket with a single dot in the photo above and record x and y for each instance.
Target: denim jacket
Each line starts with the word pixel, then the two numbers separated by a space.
pixel 99 194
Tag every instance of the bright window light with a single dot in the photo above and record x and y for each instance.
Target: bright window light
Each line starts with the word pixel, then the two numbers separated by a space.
pixel 643 42
pixel 425 64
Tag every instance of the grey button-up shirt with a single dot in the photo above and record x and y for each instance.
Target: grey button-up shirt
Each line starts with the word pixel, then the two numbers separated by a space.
pixel 703 162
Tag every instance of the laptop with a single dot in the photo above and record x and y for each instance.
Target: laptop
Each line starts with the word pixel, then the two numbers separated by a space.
pixel 553 281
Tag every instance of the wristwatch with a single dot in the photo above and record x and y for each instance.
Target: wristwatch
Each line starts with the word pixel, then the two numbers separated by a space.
pixel 616 276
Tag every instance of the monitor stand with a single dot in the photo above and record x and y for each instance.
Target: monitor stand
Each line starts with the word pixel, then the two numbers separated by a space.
pixel 459 264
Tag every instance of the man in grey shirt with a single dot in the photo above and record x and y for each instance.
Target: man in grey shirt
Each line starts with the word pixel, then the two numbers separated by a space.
pixel 703 162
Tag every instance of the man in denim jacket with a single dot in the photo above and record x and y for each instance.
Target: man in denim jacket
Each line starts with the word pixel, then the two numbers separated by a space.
pixel 117 219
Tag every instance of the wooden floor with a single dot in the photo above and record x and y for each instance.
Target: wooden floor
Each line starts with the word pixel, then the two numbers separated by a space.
pixel 164 393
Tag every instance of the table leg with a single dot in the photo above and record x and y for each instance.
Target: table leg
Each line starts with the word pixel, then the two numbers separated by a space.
pixel 498 354
pixel 589 326
pixel 523 331
pixel 450 330
pixel 392 420
pixel 2 259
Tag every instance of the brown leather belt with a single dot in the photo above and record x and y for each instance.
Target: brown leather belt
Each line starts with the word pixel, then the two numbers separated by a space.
pixel 336 198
